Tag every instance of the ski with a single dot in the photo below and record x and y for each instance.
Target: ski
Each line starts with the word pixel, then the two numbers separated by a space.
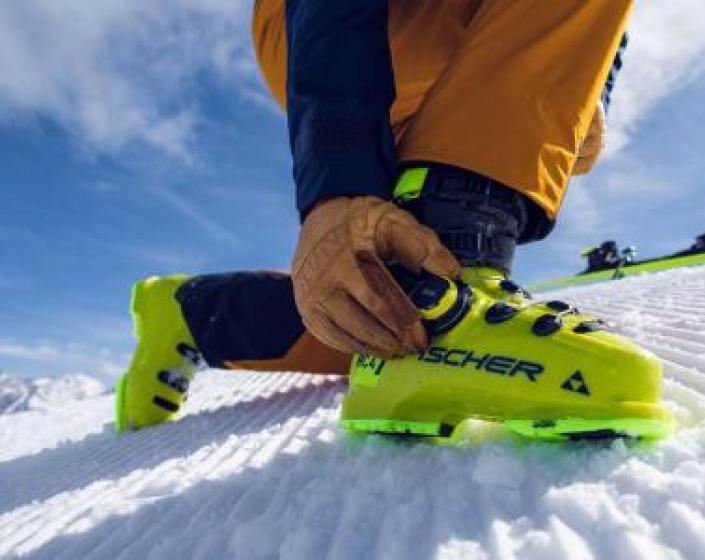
pixel 606 263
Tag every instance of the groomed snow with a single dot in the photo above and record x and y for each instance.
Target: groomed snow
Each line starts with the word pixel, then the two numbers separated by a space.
pixel 258 469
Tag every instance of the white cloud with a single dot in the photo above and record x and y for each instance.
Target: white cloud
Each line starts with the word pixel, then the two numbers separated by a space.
pixel 119 71
pixel 632 178
pixel 36 352
pixel 167 259
pixel 59 357
pixel 665 54
pixel 583 212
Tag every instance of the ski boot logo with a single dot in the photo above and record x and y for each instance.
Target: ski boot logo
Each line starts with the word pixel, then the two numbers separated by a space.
pixel 576 384
pixel 499 365
pixel 369 364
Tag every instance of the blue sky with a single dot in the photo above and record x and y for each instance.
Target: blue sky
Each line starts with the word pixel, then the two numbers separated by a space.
pixel 137 139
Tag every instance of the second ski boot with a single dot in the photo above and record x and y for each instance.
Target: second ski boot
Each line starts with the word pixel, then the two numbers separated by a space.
pixel 164 362
pixel 543 369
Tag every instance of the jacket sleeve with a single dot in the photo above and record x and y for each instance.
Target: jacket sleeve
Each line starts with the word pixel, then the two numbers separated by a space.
pixel 612 78
pixel 339 92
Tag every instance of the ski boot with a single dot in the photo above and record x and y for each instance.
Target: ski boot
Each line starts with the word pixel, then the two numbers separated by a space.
pixel 164 362
pixel 543 369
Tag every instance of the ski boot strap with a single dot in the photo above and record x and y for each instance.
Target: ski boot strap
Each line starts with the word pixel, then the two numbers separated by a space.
pixel 478 219
pixel 441 302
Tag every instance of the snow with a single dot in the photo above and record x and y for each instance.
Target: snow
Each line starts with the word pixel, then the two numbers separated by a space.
pixel 17 394
pixel 258 469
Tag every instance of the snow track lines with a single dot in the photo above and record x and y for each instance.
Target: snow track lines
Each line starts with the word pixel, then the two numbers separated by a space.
pixel 258 469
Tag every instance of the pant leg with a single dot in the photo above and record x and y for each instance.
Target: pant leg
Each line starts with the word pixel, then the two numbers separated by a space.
pixel 423 34
pixel 269 40
pixel 248 320
pixel 516 100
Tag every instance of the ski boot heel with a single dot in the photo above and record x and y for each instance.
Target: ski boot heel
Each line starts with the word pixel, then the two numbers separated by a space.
pixel 164 361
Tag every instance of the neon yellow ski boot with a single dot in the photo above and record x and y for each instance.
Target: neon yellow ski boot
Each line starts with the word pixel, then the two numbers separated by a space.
pixel 543 369
pixel 164 362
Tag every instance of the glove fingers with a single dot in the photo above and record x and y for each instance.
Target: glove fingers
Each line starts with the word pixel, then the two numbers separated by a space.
pixel 334 336
pixel 342 248
pixel 360 324
pixel 583 165
pixel 593 144
pixel 381 296
pixel 440 261
pixel 587 159
pixel 406 327
pixel 327 332
pixel 416 247
pixel 589 154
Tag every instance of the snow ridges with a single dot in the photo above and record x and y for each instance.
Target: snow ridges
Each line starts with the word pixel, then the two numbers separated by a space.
pixel 258 469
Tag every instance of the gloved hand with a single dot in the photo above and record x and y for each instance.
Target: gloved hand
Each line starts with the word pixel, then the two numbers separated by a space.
pixel 593 144
pixel 343 290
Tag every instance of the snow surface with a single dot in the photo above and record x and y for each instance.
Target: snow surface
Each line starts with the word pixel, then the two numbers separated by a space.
pixel 258 469
pixel 18 394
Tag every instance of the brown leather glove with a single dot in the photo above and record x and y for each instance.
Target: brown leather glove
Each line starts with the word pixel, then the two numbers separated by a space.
pixel 593 144
pixel 345 293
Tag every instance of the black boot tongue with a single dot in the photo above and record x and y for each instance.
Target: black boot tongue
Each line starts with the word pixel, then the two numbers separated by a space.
pixel 479 220
pixel 481 245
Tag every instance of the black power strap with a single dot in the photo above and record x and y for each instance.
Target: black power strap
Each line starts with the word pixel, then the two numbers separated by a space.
pixel 478 219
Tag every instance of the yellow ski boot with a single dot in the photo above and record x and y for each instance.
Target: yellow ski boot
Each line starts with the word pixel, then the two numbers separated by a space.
pixel 164 362
pixel 543 369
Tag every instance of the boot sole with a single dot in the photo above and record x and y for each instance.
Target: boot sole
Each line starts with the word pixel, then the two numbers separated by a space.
pixel 561 429
pixel 573 429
